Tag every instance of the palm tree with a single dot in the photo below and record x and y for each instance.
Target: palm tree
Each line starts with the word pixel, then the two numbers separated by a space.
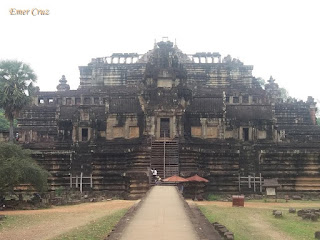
pixel 16 79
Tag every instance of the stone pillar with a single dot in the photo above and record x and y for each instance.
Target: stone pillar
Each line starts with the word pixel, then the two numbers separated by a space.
pixel 158 127
pixel 74 134
pixel 151 125
pixel 127 129
pixel 312 111
pixel 251 131
pixel 90 133
pixel 173 124
pixel 203 122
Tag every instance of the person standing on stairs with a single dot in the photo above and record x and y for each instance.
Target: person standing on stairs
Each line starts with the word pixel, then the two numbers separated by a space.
pixel 154 174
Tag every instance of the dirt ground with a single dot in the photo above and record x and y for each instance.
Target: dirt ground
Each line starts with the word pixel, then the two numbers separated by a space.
pixel 50 223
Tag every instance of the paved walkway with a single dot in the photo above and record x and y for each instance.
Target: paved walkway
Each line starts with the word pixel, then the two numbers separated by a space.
pixel 162 216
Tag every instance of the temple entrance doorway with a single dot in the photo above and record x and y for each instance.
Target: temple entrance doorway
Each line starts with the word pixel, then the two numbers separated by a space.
pixel 165 127
pixel 245 134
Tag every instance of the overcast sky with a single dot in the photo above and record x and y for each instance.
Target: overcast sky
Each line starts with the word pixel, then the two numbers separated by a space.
pixel 279 38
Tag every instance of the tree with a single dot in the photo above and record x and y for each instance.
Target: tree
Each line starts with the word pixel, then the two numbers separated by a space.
pixel 261 81
pixel 284 93
pixel 16 79
pixel 17 167
pixel 4 123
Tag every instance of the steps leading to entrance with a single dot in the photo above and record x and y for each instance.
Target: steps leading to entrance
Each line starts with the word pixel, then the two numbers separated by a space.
pixel 165 154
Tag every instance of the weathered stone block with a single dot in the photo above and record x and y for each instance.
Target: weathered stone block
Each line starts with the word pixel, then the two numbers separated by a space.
pixel 292 210
pixel 133 132
pixel 196 131
pixel 300 213
pixel 212 132
pixel 228 235
pixel 296 197
pixel 278 214
pixel 222 230
pixel 314 217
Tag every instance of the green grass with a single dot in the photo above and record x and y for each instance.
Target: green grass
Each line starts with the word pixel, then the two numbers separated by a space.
pixel 13 221
pixel 258 223
pixel 95 230
pixel 295 226
pixel 269 200
pixel 233 218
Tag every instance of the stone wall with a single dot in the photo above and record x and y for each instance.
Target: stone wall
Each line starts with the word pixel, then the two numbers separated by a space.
pixel 221 121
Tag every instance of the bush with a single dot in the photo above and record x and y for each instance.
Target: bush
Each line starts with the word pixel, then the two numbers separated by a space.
pixel 17 167
pixel 213 197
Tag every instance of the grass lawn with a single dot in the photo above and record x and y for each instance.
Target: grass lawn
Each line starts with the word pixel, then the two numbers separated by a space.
pixel 14 221
pixel 259 223
pixel 82 221
pixel 95 230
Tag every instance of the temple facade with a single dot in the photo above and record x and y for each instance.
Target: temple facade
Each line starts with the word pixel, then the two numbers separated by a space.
pixel 180 114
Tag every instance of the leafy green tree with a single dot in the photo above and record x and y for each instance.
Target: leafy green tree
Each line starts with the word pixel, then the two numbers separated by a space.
pixel 4 123
pixel 261 81
pixel 284 93
pixel 17 167
pixel 16 79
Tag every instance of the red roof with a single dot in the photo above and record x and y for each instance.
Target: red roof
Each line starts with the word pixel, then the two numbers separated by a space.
pixel 175 179
pixel 197 178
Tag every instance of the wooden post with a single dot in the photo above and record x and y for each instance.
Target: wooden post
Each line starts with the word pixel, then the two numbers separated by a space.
pixel 254 182
pixel 76 181
pixel 164 155
pixel 249 181
pixel 260 183
pixel 91 185
pixel 70 180
pixel 239 183
pixel 81 175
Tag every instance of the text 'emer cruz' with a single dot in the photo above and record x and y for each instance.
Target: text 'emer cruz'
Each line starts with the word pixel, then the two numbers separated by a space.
pixel 33 11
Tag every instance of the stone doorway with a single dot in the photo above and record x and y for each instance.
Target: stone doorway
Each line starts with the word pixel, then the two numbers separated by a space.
pixel 245 134
pixel 165 127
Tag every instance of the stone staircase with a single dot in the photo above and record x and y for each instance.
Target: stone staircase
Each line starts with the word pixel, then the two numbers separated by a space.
pixel 165 156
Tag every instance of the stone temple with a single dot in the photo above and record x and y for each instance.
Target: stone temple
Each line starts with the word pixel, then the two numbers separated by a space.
pixel 181 114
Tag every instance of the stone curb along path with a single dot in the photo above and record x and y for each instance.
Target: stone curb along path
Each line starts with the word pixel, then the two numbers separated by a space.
pixel 163 214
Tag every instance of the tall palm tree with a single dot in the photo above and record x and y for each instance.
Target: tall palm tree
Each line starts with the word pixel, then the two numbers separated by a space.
pixel 16 79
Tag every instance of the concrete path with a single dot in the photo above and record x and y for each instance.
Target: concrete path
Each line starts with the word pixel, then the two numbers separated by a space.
pixel 162 216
